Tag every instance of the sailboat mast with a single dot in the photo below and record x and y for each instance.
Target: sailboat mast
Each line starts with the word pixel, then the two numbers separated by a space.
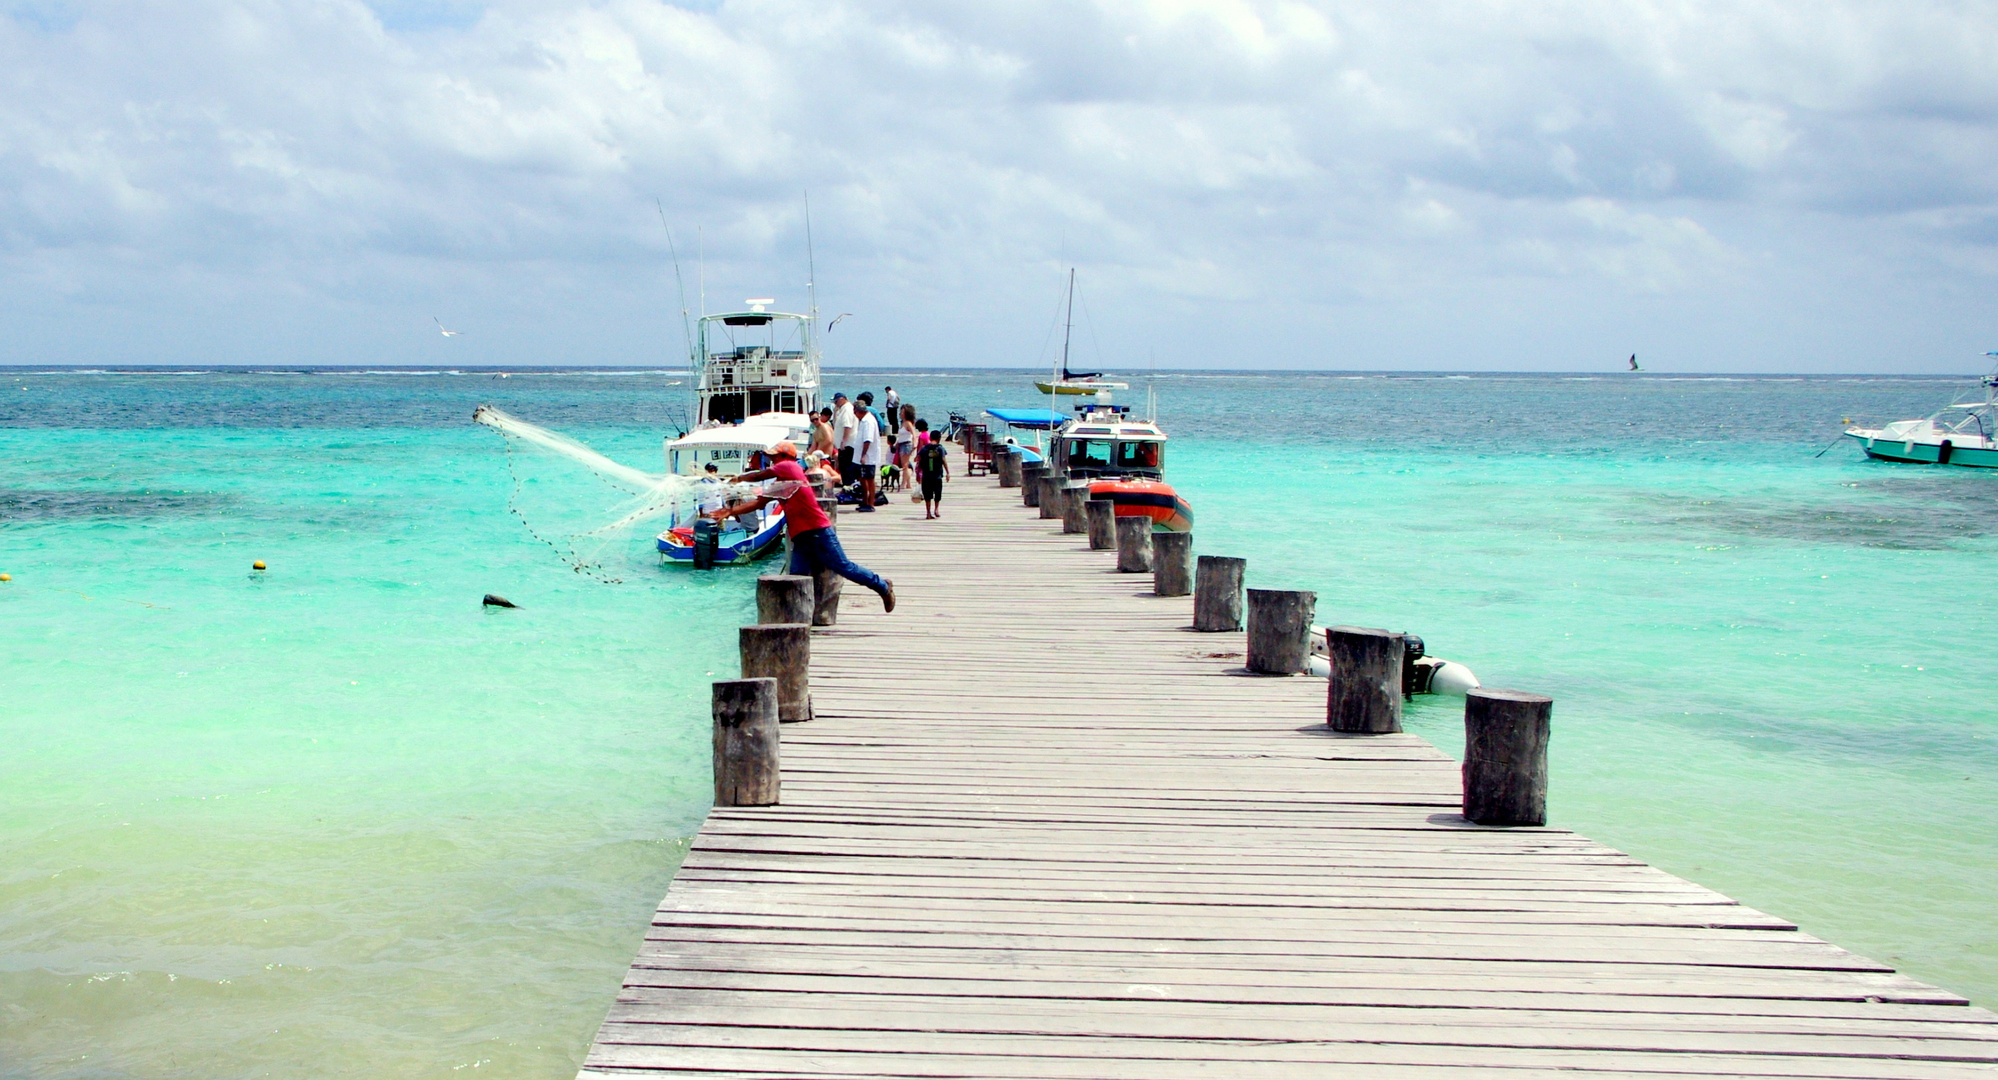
pixel 1068 322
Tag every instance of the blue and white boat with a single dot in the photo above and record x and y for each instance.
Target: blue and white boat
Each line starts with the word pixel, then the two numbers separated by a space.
pixel 732 449
pixel 1962 433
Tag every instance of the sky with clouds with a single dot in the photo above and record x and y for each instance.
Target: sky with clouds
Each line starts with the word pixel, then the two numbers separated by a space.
pixel 1543 185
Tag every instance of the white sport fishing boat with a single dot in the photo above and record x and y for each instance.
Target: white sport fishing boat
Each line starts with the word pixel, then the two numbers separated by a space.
pixel 1961 433
pixel 756 383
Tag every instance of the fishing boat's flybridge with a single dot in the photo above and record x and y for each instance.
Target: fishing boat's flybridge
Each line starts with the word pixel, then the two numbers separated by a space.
pixel 747 363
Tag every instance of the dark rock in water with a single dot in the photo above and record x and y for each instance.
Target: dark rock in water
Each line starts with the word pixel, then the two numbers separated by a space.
pixel 498 601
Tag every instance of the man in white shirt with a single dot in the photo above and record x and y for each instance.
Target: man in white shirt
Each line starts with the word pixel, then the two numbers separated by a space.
pixel 844 430
pixel 867 453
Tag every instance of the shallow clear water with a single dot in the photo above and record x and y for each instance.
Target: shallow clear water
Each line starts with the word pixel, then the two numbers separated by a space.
pixel 336 819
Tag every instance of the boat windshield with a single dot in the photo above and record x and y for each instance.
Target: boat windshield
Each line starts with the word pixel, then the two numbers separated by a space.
pixel 1113 454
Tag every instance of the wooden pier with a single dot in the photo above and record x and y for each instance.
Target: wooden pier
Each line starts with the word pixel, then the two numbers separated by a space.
pixel 1038 828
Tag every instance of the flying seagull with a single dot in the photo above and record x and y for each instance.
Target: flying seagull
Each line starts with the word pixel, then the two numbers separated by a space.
pixel 440 326
pixel 1633 363
pixel 836 320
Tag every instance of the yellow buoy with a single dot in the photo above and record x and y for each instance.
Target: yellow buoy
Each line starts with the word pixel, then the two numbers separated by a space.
pixel 6 577
pixel 257 565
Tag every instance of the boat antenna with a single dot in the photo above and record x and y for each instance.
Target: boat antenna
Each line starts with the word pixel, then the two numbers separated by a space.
pixel 701 254
pixel 811 264
pixel 686 328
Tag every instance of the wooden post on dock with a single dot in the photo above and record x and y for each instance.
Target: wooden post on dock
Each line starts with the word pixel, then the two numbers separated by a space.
pixel 1280 630
pixel 830 505
pixel 1363 695
pixel 782 652
pixel 1102 524
pixel 1075 507
pixel 1134 544
pixel 1007 458
pixel 1172 563
pixel 746 766
pixel 784 598
pixel 1030 482
pixel 1051 494
pixel 1505 757
pixel 825 598
pixel 1217 593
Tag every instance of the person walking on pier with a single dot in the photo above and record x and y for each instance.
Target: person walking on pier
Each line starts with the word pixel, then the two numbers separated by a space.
pixel 814 545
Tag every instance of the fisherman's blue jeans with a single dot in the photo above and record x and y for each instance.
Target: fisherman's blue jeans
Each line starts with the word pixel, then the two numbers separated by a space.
pixel 818 549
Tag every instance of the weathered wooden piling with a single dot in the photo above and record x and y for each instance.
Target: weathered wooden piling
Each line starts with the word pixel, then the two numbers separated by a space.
pixel 1217 593
pixel 1075 507
pixel 1134 545
pixel 830 505
pixel 1010 469
pixel 1030 482
pixel 746 741
pixel 825 598
pixel 1172 563
pixel 1102 524
pixel 782 651
pixel 1052 484
pixel 784 598
pixel 1505 757
pixel 1279 625
pixel 1363 694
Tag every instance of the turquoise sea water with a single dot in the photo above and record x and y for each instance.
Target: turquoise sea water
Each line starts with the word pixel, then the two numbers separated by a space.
pixel 336 819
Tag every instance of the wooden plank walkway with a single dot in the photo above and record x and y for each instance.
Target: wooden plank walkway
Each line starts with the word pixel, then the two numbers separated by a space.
pixel 1038 829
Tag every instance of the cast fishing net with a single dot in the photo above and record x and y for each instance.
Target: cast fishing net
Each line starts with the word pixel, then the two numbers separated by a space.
pixel 599 529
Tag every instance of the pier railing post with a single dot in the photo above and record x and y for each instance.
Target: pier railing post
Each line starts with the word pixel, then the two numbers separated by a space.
pixel 1363 694
pixel 746 740
pixel 1102 524
pixel 783 652
pixel 1280 630
pixel 1051 495
pixel 1217 593
pixel 830 505
pixel 1172 563
pixel 1074 507
pixel 1505 757
pixel 784 598
pixel 1134 544
pixel 1030 482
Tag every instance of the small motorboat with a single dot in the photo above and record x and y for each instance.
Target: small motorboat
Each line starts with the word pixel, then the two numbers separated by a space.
pixel 1154 499
pixel 1123 458
pixel 1420 674
pixel 732 449
pixel 1961 433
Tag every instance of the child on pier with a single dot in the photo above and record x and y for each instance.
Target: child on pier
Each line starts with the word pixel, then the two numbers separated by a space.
pixel 934 467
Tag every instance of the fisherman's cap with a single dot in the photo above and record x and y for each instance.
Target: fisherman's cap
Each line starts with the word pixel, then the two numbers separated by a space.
pixel 785 449
pixel 839 397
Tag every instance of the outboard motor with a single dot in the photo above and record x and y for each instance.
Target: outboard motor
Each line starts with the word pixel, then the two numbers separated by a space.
pixel 1414 676
pixel 707 540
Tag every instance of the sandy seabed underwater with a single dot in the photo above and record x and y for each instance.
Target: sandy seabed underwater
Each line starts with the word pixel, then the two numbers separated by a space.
pixel 337 819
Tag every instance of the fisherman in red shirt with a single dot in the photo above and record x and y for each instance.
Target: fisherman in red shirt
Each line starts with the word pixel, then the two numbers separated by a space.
pixel 814 546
